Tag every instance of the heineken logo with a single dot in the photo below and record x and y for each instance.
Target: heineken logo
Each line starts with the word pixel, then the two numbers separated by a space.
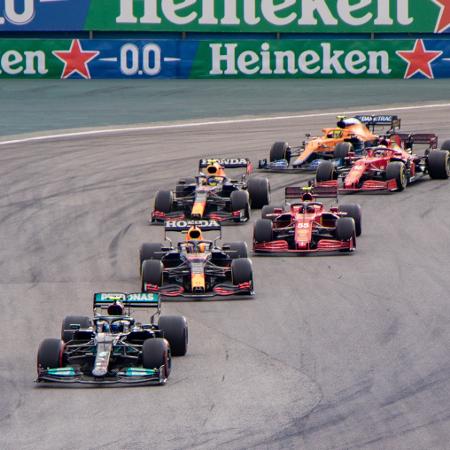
pixel 253 12
pixel 234 59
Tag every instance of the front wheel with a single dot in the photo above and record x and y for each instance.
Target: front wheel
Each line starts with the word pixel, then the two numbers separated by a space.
pixel 155 354
pixel 345 229
pixel 241 271
pixel 50 354
pixel 396 170
pixel 263 231
pixel 326 171
pixel 279 151
pixel 151 273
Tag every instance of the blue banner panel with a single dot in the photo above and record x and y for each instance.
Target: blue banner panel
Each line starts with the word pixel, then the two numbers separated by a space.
pixel 43 15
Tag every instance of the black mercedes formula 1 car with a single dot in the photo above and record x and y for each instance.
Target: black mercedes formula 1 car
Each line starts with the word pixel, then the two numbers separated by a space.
pixel 113 347
pixel 213 194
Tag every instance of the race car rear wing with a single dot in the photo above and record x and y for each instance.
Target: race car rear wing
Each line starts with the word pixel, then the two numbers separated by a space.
pixel 382 120
pixel 133 300
pixel 184 225
pixel 418 138
pixel 227 163
pixel 291 192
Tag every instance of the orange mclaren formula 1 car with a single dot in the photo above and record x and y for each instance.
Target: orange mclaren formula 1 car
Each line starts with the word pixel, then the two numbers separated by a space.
pixel 196 267
pixel 305 226
pixel 213 194
pixel 350 135
pixel 388 167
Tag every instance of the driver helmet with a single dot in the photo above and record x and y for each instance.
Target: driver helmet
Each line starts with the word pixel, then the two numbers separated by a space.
pixel 385 142
pixel 116 309
pixel 195 234
pixel 214 172
pixel 118 326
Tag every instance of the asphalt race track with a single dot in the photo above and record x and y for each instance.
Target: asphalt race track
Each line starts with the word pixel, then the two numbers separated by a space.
pixel 334 352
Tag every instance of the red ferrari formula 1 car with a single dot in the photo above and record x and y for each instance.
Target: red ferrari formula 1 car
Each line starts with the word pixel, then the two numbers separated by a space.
pixel 389 167
pixel 213 194
pixel 306 226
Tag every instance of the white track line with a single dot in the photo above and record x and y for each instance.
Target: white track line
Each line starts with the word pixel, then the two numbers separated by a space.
pixel 209 123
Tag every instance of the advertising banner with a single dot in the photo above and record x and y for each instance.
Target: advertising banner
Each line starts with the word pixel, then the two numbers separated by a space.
pixel 267 59
pixel 259 16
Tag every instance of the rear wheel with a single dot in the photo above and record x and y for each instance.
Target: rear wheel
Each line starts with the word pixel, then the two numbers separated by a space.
pixel 241 271
pixel 259 192
pixel 278 151
pixel 326 171
pixel 446 145
pixel 175 330
pixel 438 164
pixel 151 273
pixel 50 354
pixel 240 200
pixel 182 189
pixel 342 150
pixel 396 170
pixel 156 353
pixel 353 211
pixel 67 332
pixel 269 209
pixel 345 229
pixel 164 201
pixel 237 250
pixel 149 251
pixel 263 231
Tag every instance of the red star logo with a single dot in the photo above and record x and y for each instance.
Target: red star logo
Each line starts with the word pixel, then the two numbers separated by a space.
pixel 419 60
pixel 443 21
pixel 76 60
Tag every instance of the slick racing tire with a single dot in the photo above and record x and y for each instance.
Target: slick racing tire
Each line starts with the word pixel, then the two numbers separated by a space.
pixel 279 151
pixel 164 201
pixel 66 332
pixel 175 330
pixel 149 251
pixel 240 200
pixel 438 164
pixel 237 250
pixel 259 192
pixel 326 171
pixel 50 354
pixel 241 271
pixel 269 209
pixel 342 150
pixel 446 145
pixel 345 229
pixel 263 231
pixel 151 273
pixel 156 353
pixel 354 211
pixel 396 170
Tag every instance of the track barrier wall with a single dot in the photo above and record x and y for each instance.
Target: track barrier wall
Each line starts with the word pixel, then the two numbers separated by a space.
pixel 97 58
pixel 225 39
